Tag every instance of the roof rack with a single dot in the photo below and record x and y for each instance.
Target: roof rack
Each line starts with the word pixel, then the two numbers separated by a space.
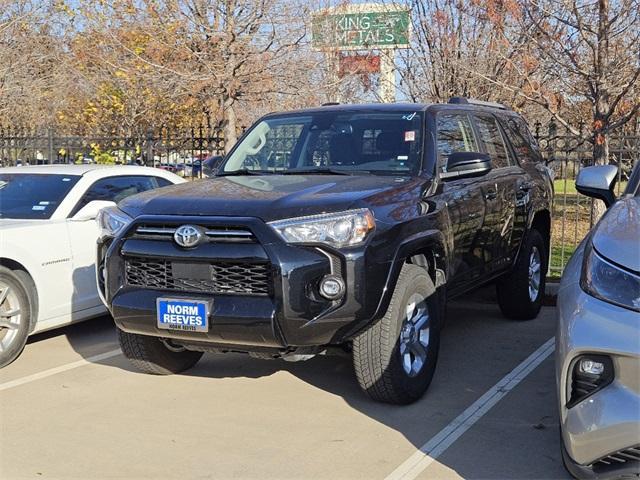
pixel 329 104
pixel 473 101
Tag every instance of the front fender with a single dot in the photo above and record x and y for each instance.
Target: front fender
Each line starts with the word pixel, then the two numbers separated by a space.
pixel 29 264
pixel 432 244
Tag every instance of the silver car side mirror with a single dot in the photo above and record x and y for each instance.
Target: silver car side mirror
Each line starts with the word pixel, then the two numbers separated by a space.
pixel 598 182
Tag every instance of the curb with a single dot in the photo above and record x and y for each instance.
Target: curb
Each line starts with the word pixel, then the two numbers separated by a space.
pixel 551 293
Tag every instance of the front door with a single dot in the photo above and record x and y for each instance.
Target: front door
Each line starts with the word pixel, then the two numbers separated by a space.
pixel 463 198
pixel 83 234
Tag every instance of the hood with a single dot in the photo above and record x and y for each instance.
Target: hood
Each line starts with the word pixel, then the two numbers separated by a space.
pixel 274 197
pixel 617 235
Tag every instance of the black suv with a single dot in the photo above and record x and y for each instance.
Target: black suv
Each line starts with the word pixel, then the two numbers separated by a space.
pixel 343 226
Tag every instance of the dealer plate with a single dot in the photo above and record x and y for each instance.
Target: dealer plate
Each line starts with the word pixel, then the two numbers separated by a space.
pixel 183 314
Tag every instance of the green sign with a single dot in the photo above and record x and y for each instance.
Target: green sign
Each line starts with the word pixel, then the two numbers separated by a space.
pixel 353 30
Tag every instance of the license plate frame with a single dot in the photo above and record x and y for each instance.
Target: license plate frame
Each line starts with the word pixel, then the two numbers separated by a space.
pixel 185 318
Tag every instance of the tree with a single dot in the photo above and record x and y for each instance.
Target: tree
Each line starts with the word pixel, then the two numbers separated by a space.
pixel 580 53
pixel 31 78
pixel 217 55
pixel 458 49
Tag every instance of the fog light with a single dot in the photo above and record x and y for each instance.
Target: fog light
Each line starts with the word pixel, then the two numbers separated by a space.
pixel 590 373
pixel 331 287
pixel 591 367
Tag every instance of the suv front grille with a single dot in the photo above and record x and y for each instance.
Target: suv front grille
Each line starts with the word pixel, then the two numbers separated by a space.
pixel 223 278
pixel 623 456
pixel 217 234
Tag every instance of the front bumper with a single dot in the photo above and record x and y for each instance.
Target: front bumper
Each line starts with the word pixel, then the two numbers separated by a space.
pixel 291 315
pixel 599 430
pixel 627 470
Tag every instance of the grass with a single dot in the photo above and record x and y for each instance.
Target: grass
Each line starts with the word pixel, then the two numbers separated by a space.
pixel 567 186
pixel 558 261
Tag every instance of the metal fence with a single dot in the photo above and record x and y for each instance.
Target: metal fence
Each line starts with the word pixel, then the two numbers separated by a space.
pixel 180 150
pixel 572 217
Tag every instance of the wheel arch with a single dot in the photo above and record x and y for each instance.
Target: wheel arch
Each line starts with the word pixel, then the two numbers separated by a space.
pixel 541 221
pixel 14 265
pixel 428 250
pixel 432 258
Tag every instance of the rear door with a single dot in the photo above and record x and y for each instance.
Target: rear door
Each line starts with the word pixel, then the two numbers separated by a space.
pixel 533 175
pixel 455 133
pixel 499 194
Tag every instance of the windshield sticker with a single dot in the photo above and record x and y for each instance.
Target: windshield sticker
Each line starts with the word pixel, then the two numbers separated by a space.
pixel 66 179
pixel 410 136
pixel 409 116
pixel 38 207
pixel 403 157
pixel 44 203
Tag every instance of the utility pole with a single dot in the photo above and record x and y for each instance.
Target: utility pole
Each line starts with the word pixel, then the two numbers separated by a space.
pixel 333 79
pixel 387 76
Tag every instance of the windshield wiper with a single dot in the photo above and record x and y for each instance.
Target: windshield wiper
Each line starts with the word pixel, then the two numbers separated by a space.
pixel 323 171
pixel 306 171
pixel 246 171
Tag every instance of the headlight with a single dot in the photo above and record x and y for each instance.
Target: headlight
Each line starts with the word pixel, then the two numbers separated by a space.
pixel 111 221
pixel 342 229
pixel 608 282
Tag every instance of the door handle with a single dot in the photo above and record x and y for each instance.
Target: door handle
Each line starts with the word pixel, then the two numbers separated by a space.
pixel 491 195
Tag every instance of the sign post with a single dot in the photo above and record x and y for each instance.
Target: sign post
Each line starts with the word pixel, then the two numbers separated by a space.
pixel 365 26
pixel 388 76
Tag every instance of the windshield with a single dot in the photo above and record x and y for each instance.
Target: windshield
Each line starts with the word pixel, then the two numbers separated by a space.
pixel 336 142
pixel 32 196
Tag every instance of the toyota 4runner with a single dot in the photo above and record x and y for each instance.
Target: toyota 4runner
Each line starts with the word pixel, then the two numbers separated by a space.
pixel 343 226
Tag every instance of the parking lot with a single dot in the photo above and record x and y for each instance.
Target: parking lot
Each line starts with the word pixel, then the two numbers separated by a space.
pixel 72 407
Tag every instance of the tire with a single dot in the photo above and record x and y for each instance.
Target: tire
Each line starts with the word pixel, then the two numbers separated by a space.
pixel 151 355
pixel 379 353
pixel 17 294
pixel 514 297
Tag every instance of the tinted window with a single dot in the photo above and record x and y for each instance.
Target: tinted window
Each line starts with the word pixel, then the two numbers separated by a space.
pixel 381 142
pixel 455 134
pixel 523 142
pixel 115 189
pixel 32 196
pixel 493 141
pixel 162 182
pixel 275 148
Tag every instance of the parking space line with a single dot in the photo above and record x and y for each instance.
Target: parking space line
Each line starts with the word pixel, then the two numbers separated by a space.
pixel 54 371
pixel 430 451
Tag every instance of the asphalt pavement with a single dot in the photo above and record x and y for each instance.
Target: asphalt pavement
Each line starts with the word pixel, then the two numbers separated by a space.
pixel 72 407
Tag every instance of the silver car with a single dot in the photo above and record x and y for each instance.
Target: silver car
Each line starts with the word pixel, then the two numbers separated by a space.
pixel 598 338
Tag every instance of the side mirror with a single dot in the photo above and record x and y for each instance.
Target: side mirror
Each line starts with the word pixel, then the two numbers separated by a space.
pixel 211 165
pixel 466 164
pixel 598 182
pixel 90 210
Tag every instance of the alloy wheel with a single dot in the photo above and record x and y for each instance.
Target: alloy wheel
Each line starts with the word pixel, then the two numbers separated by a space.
pixel 535 274
pixel 10 316
pixel 414 335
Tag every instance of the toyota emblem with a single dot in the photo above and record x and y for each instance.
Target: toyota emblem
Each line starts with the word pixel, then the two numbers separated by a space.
pixel 187 236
